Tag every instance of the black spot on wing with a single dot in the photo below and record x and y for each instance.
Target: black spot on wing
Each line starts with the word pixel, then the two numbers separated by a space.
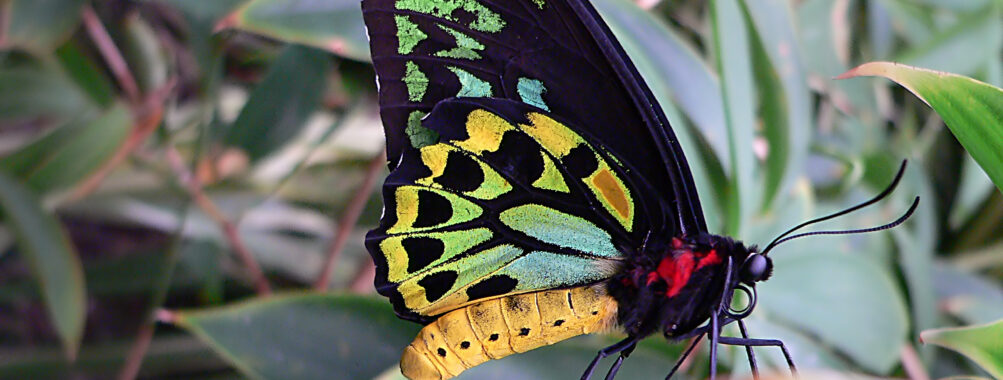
pixel 437 284
pixel 581 161
pixel 433 209
pixel 518 158
pixel 421 251
pixel 493 286
pixel 462 173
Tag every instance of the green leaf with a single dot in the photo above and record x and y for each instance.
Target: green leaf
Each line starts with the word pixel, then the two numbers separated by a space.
pixel 971 109
pixel 978 38
pixel 42 93
pixel 86 74
pixel 204 10
pixel 845 300
pixel 958 5
pixel 734 62
pixel 820 24
pixel 982 344
pixel 784 98
pixel 281 104
pixel 305 336
pixel 651 360
pixel 147 59
pixel 54 263
pixel 40 25
pixel 911 21
pixel 70 153
pixel 334 25
pixel 970 298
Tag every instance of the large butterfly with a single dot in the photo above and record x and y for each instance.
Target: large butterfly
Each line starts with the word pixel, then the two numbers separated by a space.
pixel 537 191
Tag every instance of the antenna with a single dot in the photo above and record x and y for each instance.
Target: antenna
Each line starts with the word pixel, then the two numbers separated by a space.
pixel 898 221
pixel 884 193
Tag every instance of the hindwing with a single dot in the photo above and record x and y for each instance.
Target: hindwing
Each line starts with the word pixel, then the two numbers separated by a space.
pixel 510 199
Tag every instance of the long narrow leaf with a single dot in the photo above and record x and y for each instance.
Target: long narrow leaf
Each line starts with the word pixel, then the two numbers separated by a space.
pixel 983 344
pixel 973 110
pixel 734 62
pixel 44 245
pixel 333 25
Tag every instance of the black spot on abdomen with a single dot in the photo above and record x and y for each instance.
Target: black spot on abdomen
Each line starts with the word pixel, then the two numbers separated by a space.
pixel 437 284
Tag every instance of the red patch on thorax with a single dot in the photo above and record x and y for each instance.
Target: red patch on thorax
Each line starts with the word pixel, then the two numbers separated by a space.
pixel 676 269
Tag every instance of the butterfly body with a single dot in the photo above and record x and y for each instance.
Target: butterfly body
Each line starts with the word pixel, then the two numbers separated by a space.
pixel 669 289
pixel 673 288
pixel 500 327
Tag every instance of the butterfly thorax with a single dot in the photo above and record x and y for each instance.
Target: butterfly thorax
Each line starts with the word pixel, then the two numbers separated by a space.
pixel 673 287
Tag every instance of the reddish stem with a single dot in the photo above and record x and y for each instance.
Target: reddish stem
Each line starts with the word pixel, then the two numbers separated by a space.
pixel 229 229
pixel 111 54
pixel 349 218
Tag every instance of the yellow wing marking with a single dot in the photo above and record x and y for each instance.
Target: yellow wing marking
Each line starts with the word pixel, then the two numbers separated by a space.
pixel 454 243
pixel 406 207
pixel 604 183
pixel 436 158
pixel 613 194
pixel 556 138
pixel 468 269
pixel 551 179
pixel 485 131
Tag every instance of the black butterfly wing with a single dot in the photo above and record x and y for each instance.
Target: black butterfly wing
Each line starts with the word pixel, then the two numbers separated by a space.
pixel 557 55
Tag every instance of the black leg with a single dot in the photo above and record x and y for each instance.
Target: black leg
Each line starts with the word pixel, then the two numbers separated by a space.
pixel 619 361
pixel 715 337
pixel 686 354
pixel 762 342
pixel 748 351
pixel 715 325
pixel 617 347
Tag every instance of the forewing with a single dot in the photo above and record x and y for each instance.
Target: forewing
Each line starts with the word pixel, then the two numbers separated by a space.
pixel 555 55
pixel 508 200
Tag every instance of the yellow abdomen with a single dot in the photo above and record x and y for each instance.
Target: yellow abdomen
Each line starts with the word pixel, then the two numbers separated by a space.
pixel 499 327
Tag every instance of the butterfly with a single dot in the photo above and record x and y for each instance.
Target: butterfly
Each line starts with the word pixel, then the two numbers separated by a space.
pixel 537 191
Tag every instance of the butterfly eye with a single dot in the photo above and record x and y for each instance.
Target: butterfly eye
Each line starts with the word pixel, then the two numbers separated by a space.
pixel 756 268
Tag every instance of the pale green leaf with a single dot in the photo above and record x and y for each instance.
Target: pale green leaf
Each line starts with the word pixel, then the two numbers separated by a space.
pixel 335 25
pixel 982 344
pixel 43 244
pixel 971 109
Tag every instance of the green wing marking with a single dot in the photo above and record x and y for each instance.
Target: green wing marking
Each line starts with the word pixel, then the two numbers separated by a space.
pixel 408 34
pixel 416 82
pixel 560 229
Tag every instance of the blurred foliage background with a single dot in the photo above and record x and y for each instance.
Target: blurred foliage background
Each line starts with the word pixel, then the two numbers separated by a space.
pixel 185 185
